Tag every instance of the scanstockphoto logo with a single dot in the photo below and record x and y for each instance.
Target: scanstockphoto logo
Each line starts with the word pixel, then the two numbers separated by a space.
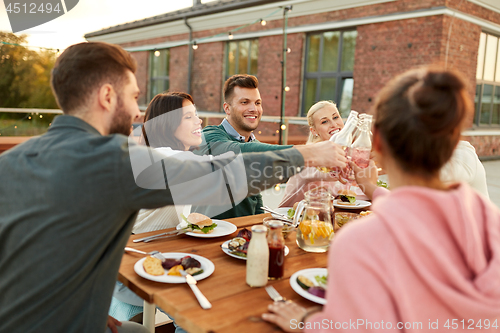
pixel 26 14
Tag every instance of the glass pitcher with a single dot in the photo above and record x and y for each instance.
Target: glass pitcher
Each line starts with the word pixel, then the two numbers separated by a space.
pixel 315 229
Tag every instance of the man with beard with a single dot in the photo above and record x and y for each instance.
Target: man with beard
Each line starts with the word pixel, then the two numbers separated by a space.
pixel 243 107
pixel 69 198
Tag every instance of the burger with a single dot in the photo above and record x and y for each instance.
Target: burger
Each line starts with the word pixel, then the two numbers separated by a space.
pixel 346 197
pixel 199 223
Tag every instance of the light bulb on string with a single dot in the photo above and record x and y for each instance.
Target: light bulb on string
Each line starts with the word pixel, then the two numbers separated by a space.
pixel 287 88
pixel 195 46
pixel 29 117
pixel 157 53
pixel 263 22
pixel 277 187
pixel 288 50
pixel 41 116
pixel 230 35
pixel 283 127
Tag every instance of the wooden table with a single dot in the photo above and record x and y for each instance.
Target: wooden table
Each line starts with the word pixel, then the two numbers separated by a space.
pixel 235 306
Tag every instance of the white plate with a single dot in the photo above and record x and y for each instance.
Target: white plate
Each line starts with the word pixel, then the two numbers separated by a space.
pixel 225 248
pixel 309 273
pixel 282 210
pixel 207 266
pixel 358 205
pixel 223 228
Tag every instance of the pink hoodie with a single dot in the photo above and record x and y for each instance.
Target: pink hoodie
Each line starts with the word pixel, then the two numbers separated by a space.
pixel 426 260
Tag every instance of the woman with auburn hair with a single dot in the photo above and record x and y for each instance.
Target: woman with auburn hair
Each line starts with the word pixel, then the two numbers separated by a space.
pixel 171 126
pixel 430 252
pixel 324 120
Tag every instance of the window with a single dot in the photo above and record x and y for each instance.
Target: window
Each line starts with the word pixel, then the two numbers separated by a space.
pixel 487 100
pixel 242 57
pixel 158 72
pixel 328 69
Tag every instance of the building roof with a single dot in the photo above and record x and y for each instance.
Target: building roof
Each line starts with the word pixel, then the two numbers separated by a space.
pixel 193 11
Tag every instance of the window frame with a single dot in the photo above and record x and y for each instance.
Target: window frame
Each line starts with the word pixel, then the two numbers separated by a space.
pixel 339 75
pixel 481 83
pixel 236 64
pixel 152 79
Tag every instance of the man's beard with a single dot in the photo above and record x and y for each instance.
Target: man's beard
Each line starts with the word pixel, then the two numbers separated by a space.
pixel 240 121
pixel 122 123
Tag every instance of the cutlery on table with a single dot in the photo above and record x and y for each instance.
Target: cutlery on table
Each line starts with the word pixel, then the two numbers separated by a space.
pixel 160 236
pixel 274 294
pixel 281 217
pixel 156 254
pixel 205 304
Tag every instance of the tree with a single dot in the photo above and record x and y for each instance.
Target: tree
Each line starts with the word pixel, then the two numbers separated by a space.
pixel 25 74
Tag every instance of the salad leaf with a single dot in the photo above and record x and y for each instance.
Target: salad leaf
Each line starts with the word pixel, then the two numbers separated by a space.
pixel 382 184
pixel 321 279
pixel 291 213
pixel 204 229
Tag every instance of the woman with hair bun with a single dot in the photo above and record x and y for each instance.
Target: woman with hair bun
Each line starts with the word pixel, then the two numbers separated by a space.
pixel 429 255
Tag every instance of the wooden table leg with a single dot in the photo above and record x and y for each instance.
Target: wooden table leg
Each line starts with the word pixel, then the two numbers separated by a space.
pixel 148 319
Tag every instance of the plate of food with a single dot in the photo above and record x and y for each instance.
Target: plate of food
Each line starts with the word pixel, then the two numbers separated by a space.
pixel 168 271
pixel 311 284
pixel 238 246
pixel 347 199
pixel 199 225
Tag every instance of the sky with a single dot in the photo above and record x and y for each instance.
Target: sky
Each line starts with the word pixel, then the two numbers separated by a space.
pixel 88 16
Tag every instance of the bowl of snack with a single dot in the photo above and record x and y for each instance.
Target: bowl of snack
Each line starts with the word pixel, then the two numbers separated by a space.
pixel 287 228
pixel 343 218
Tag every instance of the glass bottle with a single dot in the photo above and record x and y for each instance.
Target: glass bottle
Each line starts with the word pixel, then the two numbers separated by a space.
pixel 362 146
pixel 344 136
pixel 276 244
pixel 257 258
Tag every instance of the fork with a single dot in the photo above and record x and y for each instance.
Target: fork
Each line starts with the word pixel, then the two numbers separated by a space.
pixel 156 254
pixel 274 294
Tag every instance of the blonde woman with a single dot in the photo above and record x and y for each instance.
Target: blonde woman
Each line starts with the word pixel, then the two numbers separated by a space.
pixel 324 119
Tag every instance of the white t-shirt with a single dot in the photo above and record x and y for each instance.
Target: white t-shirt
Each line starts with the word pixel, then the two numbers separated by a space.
pixel 164 217
pixel 465 166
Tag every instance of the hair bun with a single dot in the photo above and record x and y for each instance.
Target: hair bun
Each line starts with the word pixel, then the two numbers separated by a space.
pixel 435 98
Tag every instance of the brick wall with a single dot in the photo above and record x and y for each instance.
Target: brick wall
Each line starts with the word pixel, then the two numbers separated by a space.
pixel 179 57
pixel 387 49
pixel 207 76
pixel 141 74
pixel 486 146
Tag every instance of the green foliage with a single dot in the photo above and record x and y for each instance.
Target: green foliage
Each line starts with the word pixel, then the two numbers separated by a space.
pixel 25 75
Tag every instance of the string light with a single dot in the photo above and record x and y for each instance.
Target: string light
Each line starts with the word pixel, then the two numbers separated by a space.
pixel 41 116
pixel 195 46
pixel 277 187
pixel 157 53
pixel 230 35
pixel 277 131
pixel 263 22
pixel 287 88
pixel 283 127
pixel 288 50
pixel 29 117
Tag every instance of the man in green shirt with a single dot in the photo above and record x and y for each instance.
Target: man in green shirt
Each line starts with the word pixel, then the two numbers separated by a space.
pixel 243 107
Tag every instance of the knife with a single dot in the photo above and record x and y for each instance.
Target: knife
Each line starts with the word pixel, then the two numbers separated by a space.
pixel 205 304
pixel 173 233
